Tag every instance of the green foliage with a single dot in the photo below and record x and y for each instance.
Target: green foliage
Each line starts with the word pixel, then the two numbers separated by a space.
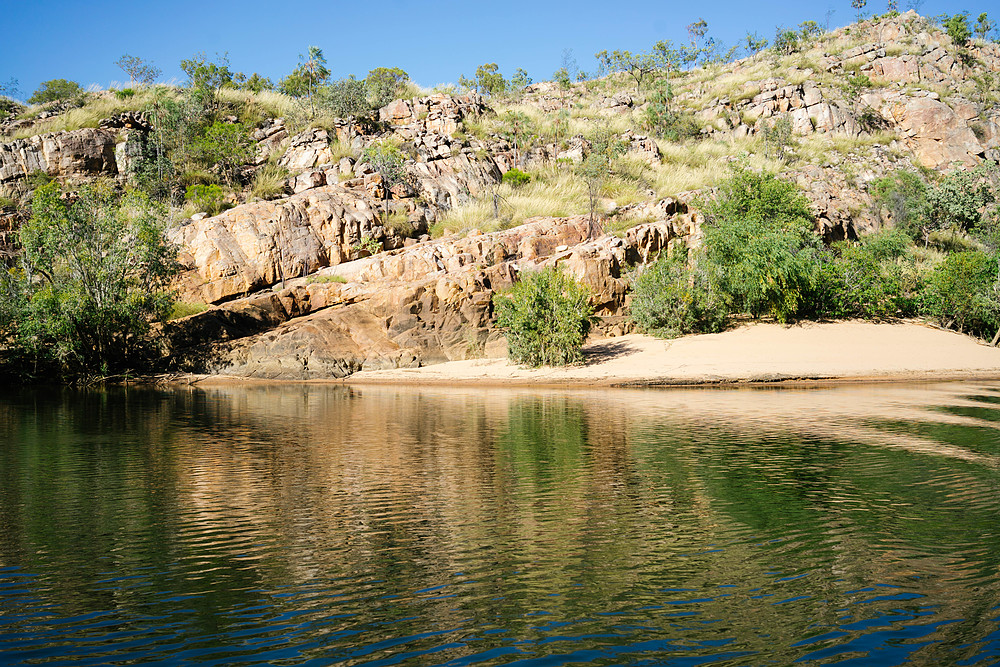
pixel 964 293
pixel 520 80
pixel 206 78
pixel 959 198
pixel 255 83
pixel 307 77
pixel 384 84
pixel 777 137
pixel 786 42
pixel 665 121
pixel 92 275
pixel 488 80
pixel 344 98
pixel 386 158
pixel 9 106
pixel 638 65
pixel 984 26
pixel 125 93
pixel 139 71
pixel 859 5
pixel 56 90
pixel 561 76
pixel 516 178
pixel 753 43
pixel 958 29
pixel 226 147
pixel 326 279
pixel 871 279
pixel 369 245
pixel 519 129
pixel 210 199
pixel 902 197
pixel 759 234
pixel 184 309
pixel 672 297
pixel 546 316
pixel 809 29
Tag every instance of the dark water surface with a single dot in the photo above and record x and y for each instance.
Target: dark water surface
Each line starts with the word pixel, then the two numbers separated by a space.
pixel 329 525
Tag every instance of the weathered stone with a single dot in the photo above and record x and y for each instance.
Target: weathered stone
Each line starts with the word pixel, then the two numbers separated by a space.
pixel 66 156
pixel 307 150
pixel 938 135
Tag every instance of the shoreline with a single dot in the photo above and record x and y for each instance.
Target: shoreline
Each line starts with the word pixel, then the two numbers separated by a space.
pixel 808 354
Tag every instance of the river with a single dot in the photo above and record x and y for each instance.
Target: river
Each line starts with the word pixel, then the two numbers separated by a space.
pixel 335 525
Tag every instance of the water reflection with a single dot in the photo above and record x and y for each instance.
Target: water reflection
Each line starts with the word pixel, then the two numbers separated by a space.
pixel 382 525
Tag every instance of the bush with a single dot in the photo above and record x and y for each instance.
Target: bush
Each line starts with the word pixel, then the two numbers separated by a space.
pixel 344 98
pixel 547 316
pixel 384 84
pixel 516 178
pixel 671 297
pixel 958 29
pixel 225 147
pixel 9 106
pixel 210 199
pixel 870 279
pixel 125 93
pixel 759 235
pixel 56 90
pixel 94 272
pixel 964 293
pixel 902 197
pixel 786 42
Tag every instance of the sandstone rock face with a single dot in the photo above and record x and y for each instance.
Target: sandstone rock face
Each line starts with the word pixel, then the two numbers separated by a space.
pixel 257 245
pixel 427 303
pixel 940 136
pixel 307 150
pixel 437 114
pixel 67 156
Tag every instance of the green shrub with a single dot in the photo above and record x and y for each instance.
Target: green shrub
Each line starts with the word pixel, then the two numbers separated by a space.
pixel 210 199
pixel 963 293
pixel 958 29
pixel 664 120
pixel 106 265
pixel 326 279
pixel 516 178
pixel 344 98
pixel 125 93
pixel 759 236
pixel 9 106
pixel 226 148
pixel 786 42
pixel 56 90
pixel 547 316
pixel 902 196
pixel 384 84
pixel 870 279
pixel 671 297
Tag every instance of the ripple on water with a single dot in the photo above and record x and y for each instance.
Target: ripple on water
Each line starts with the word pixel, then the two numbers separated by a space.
pixel 322 525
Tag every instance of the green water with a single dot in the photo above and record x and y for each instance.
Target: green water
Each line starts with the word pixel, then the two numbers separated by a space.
pixel 374 526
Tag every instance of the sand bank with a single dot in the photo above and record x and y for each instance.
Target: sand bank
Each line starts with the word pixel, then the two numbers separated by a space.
pixel 758 353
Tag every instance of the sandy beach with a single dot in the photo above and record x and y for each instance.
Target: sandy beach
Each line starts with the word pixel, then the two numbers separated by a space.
pixel 757 353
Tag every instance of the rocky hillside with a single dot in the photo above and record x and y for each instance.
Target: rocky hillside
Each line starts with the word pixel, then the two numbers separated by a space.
pixel 334 274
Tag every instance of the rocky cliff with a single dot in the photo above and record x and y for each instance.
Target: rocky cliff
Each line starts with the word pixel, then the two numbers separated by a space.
pixel 338 275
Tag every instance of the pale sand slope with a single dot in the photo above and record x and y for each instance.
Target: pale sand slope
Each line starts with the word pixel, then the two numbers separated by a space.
pixel 754 353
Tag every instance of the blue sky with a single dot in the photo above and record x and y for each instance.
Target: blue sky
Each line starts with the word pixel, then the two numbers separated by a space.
pixel 433 41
